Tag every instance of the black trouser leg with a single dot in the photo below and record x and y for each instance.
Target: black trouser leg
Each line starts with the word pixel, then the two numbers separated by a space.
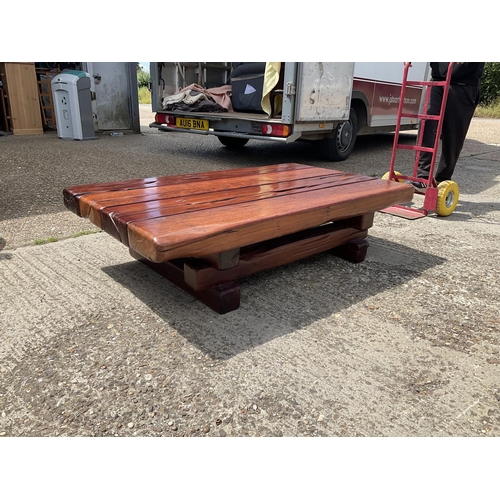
pixel 462 101
pixel 428 132
pixel 460 106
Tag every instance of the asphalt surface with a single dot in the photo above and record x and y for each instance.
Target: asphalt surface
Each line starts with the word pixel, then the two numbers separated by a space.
pixel 93 343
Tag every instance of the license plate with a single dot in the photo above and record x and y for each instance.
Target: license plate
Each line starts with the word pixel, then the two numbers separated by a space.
pixel 192 123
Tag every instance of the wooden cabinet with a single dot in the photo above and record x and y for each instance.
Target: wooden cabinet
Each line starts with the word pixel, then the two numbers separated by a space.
pixel 22 99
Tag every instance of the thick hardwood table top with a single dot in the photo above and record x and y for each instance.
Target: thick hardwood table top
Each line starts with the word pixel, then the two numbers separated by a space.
pixel 195 215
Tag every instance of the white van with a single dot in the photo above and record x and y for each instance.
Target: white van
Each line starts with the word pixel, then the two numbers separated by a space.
pixel 330 103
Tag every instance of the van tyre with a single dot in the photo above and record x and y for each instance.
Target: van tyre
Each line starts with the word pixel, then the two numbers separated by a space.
pixel 340 146
pixel 232 142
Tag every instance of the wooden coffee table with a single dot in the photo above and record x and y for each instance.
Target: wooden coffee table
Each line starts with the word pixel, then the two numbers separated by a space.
pixel 204 231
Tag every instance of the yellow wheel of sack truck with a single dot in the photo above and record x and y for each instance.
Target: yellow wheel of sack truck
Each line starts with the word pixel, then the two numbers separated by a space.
pixel 447 199
pixel 386 177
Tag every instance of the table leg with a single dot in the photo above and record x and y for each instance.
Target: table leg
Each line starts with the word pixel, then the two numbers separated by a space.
pixel 211 280
pixel 354 251
pixel 221 298
pixel 345 235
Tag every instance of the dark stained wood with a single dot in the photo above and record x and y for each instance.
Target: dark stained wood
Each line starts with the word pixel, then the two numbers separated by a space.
pixel 203 231
pixel 198 233
pixel 222 298
pixel 72 194
pixel 362 222
pixel 353 251
pixel 115 219
pixel 277 181
pixel 270 254
pixel 224 260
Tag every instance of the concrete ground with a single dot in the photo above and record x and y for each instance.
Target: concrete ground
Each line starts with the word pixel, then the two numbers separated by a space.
pixel 92 343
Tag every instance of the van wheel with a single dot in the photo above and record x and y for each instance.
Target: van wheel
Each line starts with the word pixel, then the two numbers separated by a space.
pixel 339 147
pixel 232 142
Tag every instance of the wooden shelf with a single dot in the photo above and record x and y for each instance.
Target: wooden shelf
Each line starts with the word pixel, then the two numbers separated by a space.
pixel 4 117
pixel 44 78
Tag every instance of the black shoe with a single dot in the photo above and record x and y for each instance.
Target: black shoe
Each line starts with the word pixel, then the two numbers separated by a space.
pixel 419 187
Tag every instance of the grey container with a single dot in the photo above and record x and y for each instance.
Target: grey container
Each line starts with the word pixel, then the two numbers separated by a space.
pixel 73 106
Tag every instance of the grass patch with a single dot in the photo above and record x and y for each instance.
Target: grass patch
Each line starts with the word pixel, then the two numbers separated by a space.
pixel 53 239
pixel 84 233
pixel 144 95
pixel 42 241
pixel 491 111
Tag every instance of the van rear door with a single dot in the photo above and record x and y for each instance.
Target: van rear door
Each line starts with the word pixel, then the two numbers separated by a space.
pixel 323 91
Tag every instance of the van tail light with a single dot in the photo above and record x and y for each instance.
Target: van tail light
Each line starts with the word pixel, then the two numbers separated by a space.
pixel 277 130
pixel 164 119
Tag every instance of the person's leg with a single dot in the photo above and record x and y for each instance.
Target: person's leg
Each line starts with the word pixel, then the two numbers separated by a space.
pixel 428 132
pixel 462 101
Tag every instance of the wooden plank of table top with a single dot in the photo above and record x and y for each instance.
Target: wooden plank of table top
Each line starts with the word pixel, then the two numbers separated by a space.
pixel 72 194
pixel 219 229
pixel 102 200
pixel 114 220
